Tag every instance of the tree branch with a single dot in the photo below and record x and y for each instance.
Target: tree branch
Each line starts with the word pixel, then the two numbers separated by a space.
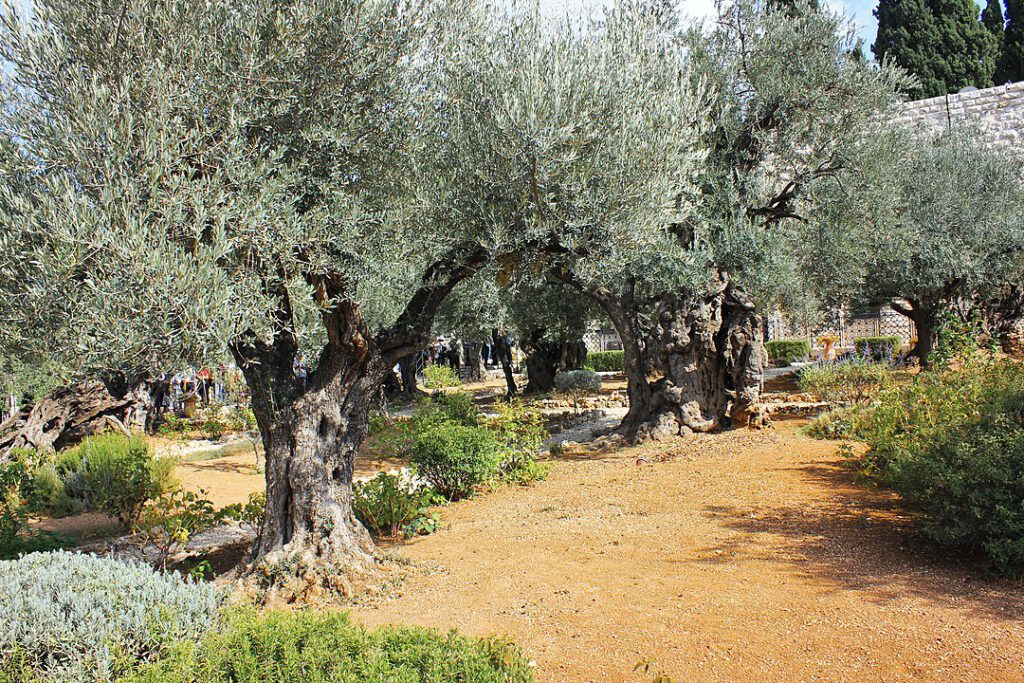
pixel 411 330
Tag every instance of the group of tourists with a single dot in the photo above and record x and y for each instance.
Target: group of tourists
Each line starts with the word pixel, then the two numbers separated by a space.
pixel 455 354
pixel 177 392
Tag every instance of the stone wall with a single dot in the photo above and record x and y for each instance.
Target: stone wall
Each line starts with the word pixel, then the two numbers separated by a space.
pixel 997 112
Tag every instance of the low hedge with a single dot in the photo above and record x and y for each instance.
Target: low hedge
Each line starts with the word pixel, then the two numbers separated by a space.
pixel 320 647
pixel 878 348
pixel 607 361
pixel 785 351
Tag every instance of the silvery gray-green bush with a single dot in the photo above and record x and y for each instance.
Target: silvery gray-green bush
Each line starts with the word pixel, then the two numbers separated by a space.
pixel 71 616
pixel 578 383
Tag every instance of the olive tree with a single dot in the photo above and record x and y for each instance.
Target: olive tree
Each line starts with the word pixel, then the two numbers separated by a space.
pixel 245 176
pixel 604 129
pixel 286 177
pixel 933 224
pixel 787 101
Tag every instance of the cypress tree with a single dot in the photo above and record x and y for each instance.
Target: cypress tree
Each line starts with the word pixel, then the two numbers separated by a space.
pixel 942 42
pixel 908 36
pixel 992 19
pixel 1011 63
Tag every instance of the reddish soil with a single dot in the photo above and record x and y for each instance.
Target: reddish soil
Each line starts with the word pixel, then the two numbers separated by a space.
pixel 735 557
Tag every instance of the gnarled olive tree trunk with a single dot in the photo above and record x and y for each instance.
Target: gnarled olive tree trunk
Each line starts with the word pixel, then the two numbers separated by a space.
pixel 311 441
pixel 69 414
pixel 926 323
pixel 407 373
pixel 475 361
pixel 310 540
pixel 712 353
pixel 544 359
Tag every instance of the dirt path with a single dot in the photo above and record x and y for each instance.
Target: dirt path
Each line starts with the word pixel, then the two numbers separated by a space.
pixel 745 557
pixel 232 478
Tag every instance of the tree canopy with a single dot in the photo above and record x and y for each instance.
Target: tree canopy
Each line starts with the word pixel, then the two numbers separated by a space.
pixel 933 223
pixel 941 42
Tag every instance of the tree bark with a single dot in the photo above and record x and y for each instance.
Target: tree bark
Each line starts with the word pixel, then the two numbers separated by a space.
pixel 310 540
pixel 475 361
pixel 308 523
pixel 712 354
pixel 544 359
pixel 925 321
pixel 927 333
pixel 69 414
pixel 407 370
pixel 503 351
pixel 542 362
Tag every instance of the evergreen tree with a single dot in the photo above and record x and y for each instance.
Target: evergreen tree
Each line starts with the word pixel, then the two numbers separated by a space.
pixel 907 35
pixel 993 20
pixel 941 42
pixel 1011 62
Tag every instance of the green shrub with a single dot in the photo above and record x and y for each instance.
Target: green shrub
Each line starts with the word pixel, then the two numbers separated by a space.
pixel 455 407
pixel 168 522
pixel 852 381
pixel 785 351
pixel 521 433
pixel 396 437
pixel 952 444
pixel 393 504
pixel 241 419
pixel 173 427
pixel 116 474
pixel 455 458
pixel 320 647
pixel 214 428
pixel 43 490
pixel 75 617
pixel 48 494
pixel 440 377
pixel 249 513
pixel 576 384
pixel 878 348
pixel 607 361
pixel 961 339
pixel 838 423
pixel 15 537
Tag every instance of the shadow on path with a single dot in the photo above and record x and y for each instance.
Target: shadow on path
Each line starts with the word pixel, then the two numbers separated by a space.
pixel 857 538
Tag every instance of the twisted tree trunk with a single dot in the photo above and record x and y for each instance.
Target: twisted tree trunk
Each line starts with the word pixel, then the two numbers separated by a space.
pixel 310 445
pixel 310 541
pixel 926 323
pixel 407 370
pixel 712 353
pixel 542 361
pixel 69 414
pixel 545 359
pixel 475 361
